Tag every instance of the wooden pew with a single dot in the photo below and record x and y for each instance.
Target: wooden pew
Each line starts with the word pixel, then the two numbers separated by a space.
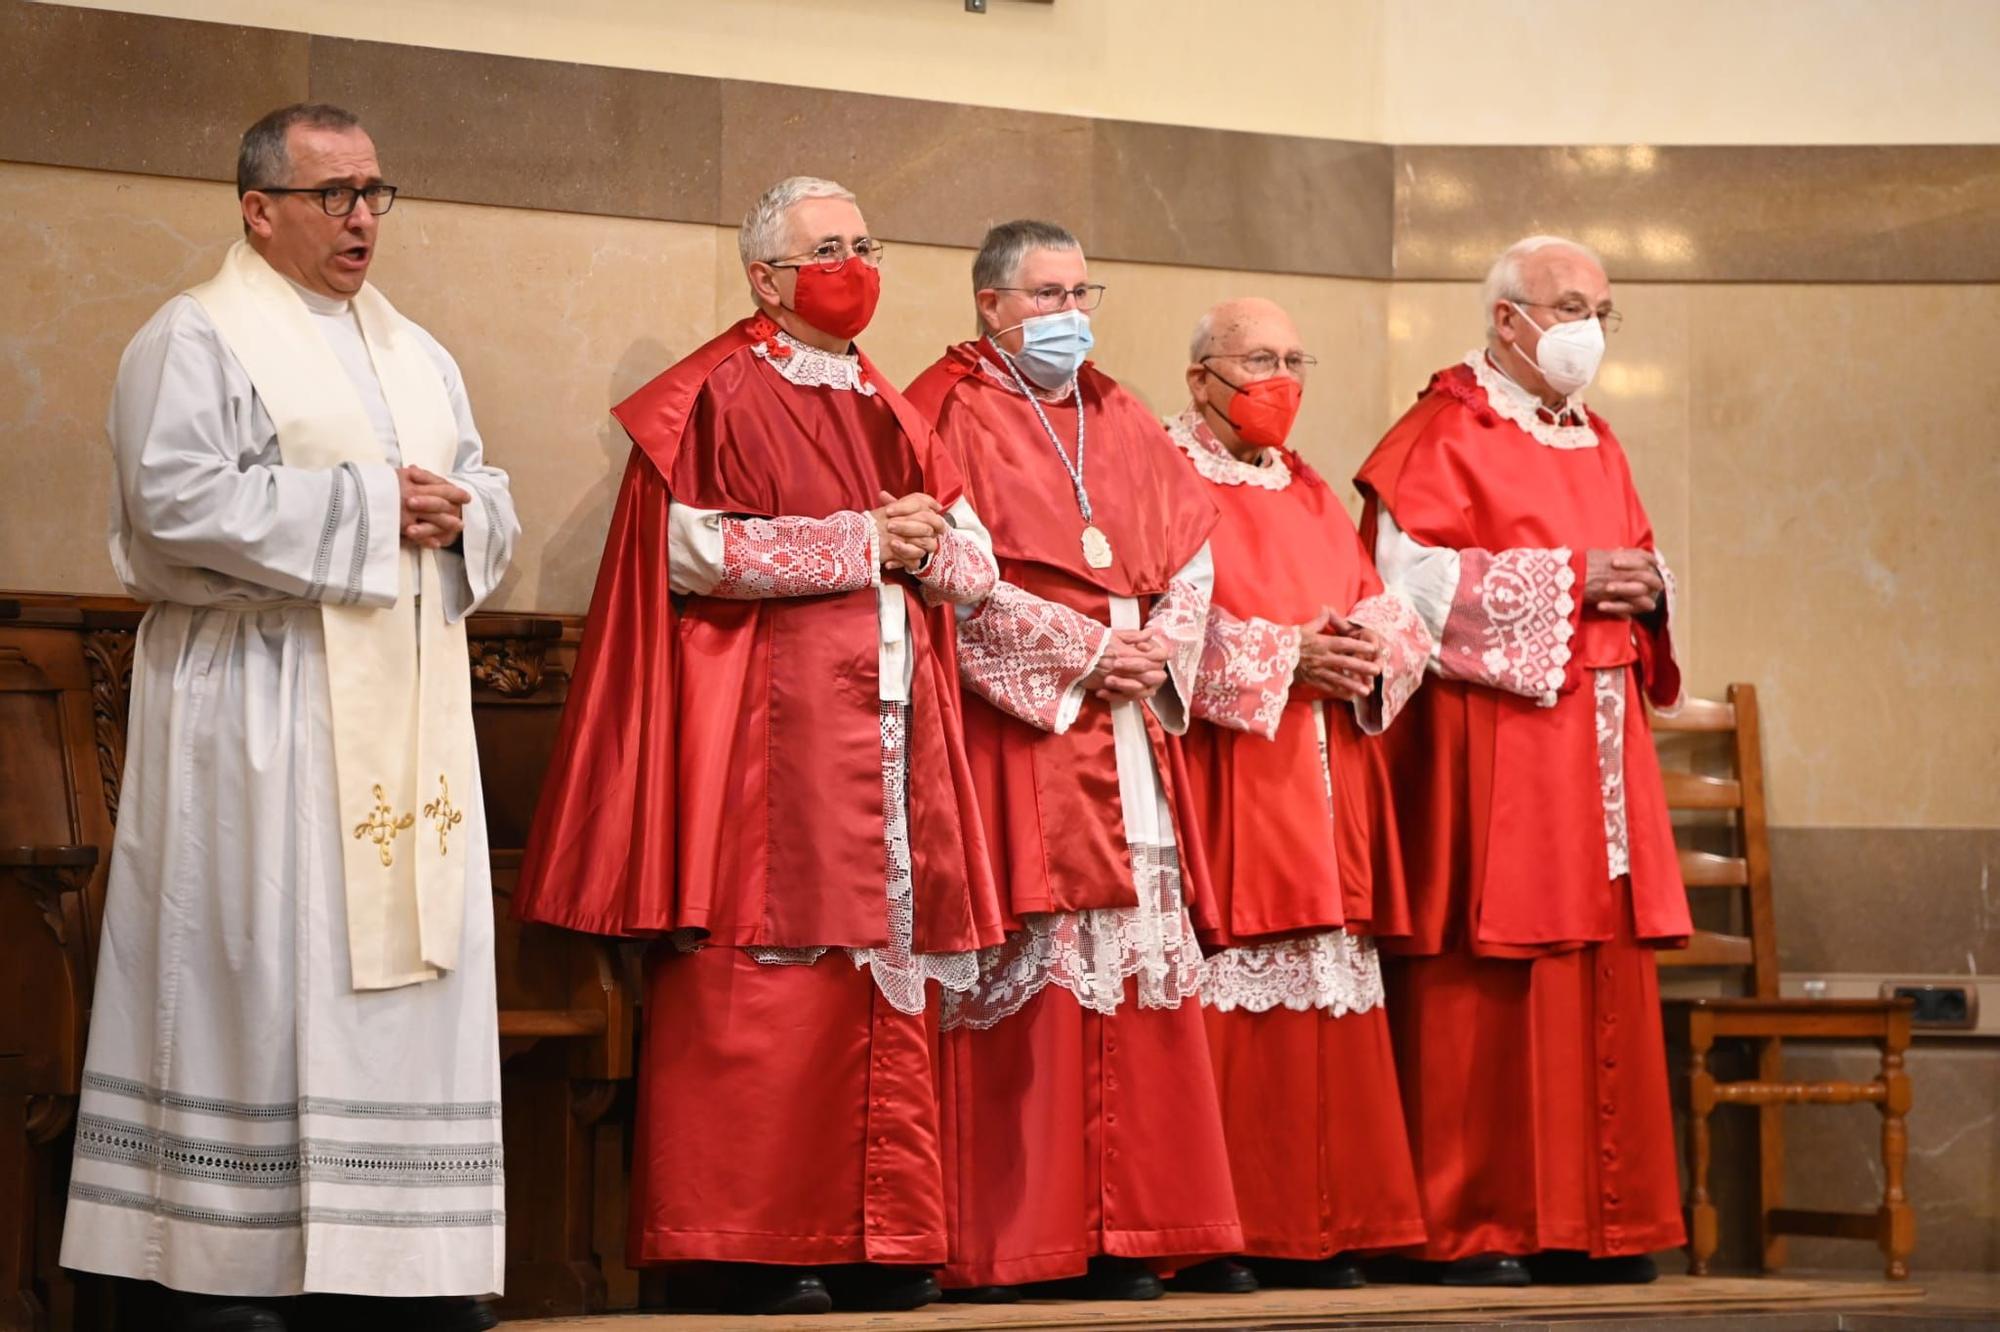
pixel 567 1012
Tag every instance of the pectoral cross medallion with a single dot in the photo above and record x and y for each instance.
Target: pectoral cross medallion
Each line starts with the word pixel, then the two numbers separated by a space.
pixel 1096 548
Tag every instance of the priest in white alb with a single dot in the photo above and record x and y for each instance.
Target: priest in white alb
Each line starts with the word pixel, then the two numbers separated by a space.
pixel 291 1101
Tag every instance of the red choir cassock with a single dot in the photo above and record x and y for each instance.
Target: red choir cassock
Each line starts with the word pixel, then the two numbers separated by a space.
pixel 1292 800
pixel 1079 1122
pixel 1538 856
pixel 721 772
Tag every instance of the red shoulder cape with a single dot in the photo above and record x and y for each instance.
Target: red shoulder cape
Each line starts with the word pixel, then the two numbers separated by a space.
pixel 718 765
pixel 1499 799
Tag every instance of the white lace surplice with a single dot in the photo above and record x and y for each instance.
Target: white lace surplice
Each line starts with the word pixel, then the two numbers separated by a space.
pixel 715 554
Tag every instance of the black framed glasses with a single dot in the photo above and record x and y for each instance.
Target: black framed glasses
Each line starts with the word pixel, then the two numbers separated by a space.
pixel 1051 298
pixel 1569 312
pixel 831 256
pixel 339 200
pixel 1264 364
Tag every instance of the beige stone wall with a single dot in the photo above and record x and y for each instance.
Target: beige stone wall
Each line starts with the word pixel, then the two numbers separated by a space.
pixel 1818 460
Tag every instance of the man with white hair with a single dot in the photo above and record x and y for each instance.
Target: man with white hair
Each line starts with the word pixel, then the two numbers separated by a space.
pixel 1083 1136
pixel 1538 853
pixel 761 761
pixel 1305 656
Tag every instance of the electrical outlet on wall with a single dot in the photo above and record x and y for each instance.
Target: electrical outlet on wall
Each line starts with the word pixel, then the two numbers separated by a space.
pixel 1945 1005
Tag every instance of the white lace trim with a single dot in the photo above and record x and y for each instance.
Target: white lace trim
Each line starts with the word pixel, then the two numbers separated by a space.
pixel 899 974
pixel 1246 672
pixel 1609 686
pixel 810 367
pixel 1268 471
pixel 1334 972
pixel 1519 407
pixel 1093 953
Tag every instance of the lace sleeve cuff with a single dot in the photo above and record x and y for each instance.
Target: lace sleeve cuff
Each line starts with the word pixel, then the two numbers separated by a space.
pixel 1511 621
pixel 797 557
pixel 1029 657
pixel 1245 677
pixel 1179 616
pixel 1406 650
pixel 961 572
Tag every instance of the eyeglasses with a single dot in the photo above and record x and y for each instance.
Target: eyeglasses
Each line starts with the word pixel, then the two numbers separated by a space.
pixel 1569 312
pixel 339 200
pixel 1049 299
pixel 1264 364
pixel 831 256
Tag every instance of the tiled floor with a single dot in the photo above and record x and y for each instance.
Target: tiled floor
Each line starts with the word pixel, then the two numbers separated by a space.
pixel 1794 1303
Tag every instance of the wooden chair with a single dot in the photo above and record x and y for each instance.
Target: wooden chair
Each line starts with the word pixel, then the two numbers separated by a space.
pixel 1765 1020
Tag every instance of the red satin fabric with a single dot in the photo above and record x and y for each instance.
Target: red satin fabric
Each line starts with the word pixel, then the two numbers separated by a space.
pixel 1315 1129
pixel 1051 803
pixel 787 1114
pixel 1536 1098
pixel 1279 860
pixel 1068 1134
pixel 718 765
pixel 1500 798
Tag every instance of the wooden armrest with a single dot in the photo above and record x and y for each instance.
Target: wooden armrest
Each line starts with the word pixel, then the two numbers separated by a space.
pixel 552 1022
pixel 1789 1006
pixel 47 857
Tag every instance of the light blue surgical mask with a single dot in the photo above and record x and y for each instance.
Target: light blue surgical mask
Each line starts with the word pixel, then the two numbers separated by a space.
pixel 1053 347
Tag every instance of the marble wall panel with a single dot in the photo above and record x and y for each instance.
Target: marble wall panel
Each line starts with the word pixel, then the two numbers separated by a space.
pixel 1845 481
pixel 1908 213
pixel 1914 901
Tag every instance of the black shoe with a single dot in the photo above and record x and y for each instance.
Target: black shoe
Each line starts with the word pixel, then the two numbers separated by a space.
pixel 984 1295
pixel 1486 1269
pixel 1340 1272
pixel 220 1313
pixel 1566 1267
pixel 446 1313
pixel 382 1313
pixel 753 1288
pixel 870 1288
pixel 1217 1276
pixel 1108 1279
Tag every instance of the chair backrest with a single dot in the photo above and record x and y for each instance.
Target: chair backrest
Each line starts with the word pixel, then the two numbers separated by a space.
pixel 1746 868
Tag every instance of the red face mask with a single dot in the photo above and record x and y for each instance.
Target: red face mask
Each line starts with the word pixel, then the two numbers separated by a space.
pixel 1263 412
pixel 839 303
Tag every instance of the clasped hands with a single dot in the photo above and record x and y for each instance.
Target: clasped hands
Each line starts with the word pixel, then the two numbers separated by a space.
pixel 433 509
pixel 1626 583
pixel 908 529
pixel 1339 656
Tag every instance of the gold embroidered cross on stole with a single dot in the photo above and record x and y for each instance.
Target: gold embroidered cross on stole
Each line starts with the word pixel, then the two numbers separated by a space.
pixel 382 825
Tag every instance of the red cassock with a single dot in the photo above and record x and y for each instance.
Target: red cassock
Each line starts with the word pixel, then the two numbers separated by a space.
pixel 1069 1132
pixel 1292 799
pixel 1525 1002
pixel 720 769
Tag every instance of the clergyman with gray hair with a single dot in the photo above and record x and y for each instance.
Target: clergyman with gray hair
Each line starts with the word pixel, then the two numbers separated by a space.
pixel 762 761
pixel 291 1102
pixel 1538 857
pixel 1079 673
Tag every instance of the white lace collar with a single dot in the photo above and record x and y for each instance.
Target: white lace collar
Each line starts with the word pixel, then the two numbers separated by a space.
pixel 1215 462
pixel 1516 405
pixel 809 367
pixel 998 374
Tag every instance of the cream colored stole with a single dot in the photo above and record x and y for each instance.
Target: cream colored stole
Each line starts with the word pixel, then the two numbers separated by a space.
pixel 398 678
